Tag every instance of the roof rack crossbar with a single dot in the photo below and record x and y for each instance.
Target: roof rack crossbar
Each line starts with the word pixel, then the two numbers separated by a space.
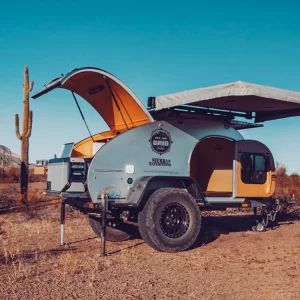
pixel 201 111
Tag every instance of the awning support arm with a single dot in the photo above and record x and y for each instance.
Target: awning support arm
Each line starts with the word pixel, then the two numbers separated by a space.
pixel 82 116
pixel 115 100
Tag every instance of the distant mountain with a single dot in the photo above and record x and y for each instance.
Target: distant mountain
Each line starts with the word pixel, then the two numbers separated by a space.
pixel 7 158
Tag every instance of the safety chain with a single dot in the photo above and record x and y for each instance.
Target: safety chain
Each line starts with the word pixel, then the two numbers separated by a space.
pixel 271 215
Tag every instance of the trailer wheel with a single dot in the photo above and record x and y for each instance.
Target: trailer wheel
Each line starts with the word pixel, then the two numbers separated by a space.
pixel 170 220
pixel 113 234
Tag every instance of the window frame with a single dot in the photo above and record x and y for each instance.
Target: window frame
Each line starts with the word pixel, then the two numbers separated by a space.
pixel 253 156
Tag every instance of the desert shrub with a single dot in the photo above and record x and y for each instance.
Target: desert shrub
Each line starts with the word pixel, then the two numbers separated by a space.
pixel 36 177
pixel 287 186
pixel 9 197
pixel 34 208
pixel 12 175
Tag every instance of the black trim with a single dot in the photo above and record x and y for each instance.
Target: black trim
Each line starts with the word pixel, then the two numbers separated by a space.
pixel 258 116
pixel 48 185
pixel 82 205
pixel 151 102
pixel 143 188
pixel 195 110
pixel 252 202
pixel 58 160
pixel 47 89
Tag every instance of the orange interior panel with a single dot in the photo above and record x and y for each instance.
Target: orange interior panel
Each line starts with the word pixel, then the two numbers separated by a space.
pixel 212 164
pixel 94 89
pixel 85 147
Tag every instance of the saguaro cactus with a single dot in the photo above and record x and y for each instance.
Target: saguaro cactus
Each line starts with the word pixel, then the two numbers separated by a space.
pixel 26 133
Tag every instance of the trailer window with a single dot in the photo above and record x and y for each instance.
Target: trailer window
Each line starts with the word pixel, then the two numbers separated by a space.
pixel 254 168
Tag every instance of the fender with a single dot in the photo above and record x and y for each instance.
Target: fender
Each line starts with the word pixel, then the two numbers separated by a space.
pixel 143 188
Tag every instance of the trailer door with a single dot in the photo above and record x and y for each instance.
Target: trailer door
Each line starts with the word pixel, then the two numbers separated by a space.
pixel 254 170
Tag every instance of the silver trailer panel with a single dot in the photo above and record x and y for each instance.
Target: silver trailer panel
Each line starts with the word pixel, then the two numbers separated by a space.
pixel 156 149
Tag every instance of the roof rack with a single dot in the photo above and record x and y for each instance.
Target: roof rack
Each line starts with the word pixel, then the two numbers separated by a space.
pixel 189 112
pixel 196 110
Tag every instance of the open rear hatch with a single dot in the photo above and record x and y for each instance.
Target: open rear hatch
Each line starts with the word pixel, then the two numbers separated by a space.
pixel 252 101
pixel 111 98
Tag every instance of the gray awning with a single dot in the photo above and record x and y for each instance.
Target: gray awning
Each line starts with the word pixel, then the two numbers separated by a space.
pixel 267 103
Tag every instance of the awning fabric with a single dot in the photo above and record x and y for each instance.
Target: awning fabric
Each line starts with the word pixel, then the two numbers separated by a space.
pixel 266 102
pixel 111 98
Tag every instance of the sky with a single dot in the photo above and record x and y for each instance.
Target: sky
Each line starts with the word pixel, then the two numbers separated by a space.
pixel 154 47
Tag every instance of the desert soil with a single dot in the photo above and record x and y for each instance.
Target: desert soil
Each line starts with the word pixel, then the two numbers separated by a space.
pixel 232 263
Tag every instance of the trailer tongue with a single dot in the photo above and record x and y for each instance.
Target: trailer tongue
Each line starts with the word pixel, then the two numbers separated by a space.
pixel 158 167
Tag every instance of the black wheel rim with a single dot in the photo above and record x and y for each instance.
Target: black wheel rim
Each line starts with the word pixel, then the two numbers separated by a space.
pixel 174 220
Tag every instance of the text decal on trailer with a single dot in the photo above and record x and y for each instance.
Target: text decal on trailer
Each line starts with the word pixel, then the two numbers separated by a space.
pixel 160 141
pixel 161 162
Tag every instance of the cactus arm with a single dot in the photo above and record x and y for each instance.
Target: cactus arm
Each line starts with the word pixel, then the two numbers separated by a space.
pixel 31 86
pixel 28 134
pixel 17 127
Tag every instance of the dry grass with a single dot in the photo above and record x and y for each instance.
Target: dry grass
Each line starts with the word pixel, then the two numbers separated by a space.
pixel 10 201
pixel 33 266
pixel 231 258
pixel 29 252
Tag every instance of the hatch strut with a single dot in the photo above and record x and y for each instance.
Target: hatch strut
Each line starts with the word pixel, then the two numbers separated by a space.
pixel 115 100
pixel 120 100
pixel 83 117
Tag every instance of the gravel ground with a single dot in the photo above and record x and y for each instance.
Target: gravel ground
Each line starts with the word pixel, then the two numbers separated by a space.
pixel 233 262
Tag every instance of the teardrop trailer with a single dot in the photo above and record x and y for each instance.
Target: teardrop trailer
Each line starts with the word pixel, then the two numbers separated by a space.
pixel 160 166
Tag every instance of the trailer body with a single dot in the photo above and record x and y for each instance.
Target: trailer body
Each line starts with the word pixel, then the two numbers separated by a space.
pixel 168 149
pixel 159 166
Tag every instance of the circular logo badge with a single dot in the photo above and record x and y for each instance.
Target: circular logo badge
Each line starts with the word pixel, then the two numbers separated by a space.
pixel 160 141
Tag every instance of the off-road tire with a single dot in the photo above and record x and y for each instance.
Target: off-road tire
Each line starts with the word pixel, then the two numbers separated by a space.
pixel 113 234
pixel 150 220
